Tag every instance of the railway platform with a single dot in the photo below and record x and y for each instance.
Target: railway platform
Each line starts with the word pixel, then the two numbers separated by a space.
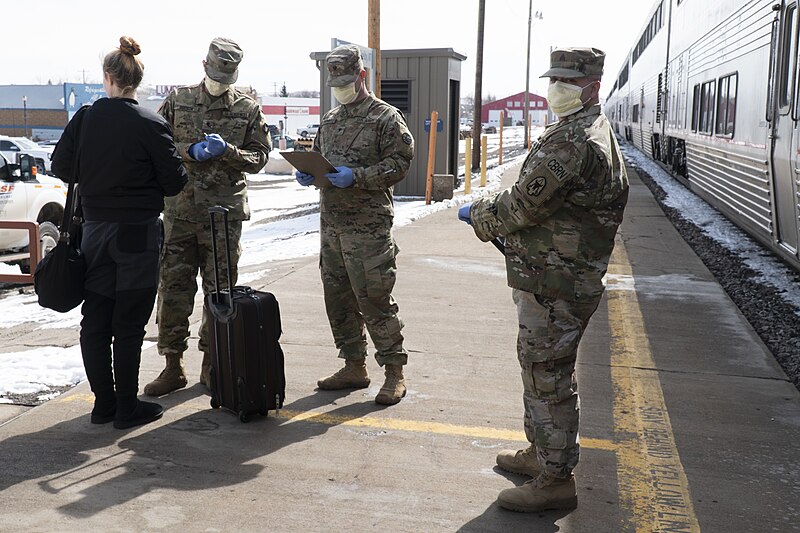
pixel 687 422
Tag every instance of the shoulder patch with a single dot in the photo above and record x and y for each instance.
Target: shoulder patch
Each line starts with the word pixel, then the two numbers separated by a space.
pixel 407 138
pixel 536 185
pixel 542 176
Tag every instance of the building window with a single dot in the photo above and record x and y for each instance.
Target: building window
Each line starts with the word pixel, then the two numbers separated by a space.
pixel 726 104
pixel 397 93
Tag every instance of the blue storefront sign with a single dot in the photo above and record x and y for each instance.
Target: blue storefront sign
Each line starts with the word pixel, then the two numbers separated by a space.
pixel 78 94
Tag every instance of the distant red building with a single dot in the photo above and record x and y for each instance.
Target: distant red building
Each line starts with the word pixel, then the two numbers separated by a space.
pixel 513 107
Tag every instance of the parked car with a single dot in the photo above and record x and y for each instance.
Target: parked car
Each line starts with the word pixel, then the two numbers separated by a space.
pixel 33 198
pixel 273 130
pixel 489 129
pixel 45 144
pixel 276 142
pixel 307 130
pixel 11 146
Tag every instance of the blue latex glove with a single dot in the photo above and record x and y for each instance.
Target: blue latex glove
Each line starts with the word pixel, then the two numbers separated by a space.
pixel 463 213
pixel 216 144
pixel 199 151
pixel 303 179
pixel 342 178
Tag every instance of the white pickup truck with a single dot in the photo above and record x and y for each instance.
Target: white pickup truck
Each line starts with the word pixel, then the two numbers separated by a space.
pixel 10 147
pixel 309 130
pixel 33 197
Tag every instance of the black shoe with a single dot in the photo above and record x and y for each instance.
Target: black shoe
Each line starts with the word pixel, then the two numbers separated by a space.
pixel 104 410
pixel 144 413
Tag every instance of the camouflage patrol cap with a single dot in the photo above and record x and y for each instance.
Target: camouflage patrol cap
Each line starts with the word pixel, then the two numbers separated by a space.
pixel 222 61
pixel 575 63
pixel 343 63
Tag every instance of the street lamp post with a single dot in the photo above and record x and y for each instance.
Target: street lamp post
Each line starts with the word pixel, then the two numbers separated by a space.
pixel 526 117
pixel 25 115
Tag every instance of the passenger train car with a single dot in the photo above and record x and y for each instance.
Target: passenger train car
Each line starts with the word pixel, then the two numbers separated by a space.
pixel 710 89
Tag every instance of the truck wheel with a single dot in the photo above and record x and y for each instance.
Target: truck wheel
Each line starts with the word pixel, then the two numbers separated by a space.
pixel 48 238
pixel 303 134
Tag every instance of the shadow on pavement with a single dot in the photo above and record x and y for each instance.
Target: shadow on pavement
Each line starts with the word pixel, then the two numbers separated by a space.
pixel 205 450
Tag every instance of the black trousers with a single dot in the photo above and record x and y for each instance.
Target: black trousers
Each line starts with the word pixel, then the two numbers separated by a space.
pixel 121 284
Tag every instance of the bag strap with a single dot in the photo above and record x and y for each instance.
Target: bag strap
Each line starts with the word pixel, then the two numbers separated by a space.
pixel 72 206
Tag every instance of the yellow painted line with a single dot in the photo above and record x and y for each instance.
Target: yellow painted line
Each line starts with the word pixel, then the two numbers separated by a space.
pixel 414 426
pixel 652 482
pixel 394 424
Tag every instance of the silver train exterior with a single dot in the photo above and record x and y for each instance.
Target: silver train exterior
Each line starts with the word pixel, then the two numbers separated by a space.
pixel 711 90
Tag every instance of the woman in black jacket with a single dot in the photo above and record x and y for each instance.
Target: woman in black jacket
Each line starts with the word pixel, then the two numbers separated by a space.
pixel 125 162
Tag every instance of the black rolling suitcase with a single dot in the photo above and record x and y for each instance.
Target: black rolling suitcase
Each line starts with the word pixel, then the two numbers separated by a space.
pixel 244 327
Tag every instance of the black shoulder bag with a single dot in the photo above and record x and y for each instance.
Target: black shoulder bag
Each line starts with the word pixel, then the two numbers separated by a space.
pixel 60 275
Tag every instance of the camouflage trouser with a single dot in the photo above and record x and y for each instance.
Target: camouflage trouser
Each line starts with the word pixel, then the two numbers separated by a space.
pixel 547 347
pixel 358 268
pixel 187 249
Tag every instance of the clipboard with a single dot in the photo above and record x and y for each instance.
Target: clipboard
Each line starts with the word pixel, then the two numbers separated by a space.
pixel 313 163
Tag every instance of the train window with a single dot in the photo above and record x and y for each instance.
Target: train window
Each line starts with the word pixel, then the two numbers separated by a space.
pixel 695 107
pixel 635 117
pixel 787 65
pixel 726 104
pixel 706 118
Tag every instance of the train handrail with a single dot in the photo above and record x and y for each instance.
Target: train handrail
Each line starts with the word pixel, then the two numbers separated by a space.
pixel 34 250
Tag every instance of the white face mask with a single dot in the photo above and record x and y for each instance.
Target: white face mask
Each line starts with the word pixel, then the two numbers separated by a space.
pixel 345 94
pixel 564 98
pixel 215 88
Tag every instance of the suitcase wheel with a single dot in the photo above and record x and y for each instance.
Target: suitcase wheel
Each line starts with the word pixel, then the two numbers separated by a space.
pixel 212 376
pixel 264 412
pixel 244 417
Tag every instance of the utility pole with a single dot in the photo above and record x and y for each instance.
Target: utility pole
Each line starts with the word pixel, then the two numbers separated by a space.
pixel 528 73
pixel 374 41
pixel 25 114
pixel 478 99
pixel 528 78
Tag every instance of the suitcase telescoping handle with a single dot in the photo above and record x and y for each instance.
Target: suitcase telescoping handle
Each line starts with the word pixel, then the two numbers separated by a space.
pixel 219 210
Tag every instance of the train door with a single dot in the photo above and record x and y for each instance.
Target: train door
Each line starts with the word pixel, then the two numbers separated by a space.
pixel 785 128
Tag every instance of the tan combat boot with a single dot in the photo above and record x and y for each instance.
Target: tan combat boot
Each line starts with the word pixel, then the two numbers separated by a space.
pixel 394 388
pixel 171 378
pixel 520 462
pixel 205 371
pixel 539 494
pixel 352 376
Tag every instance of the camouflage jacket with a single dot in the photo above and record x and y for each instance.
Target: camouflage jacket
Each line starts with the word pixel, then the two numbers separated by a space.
pixel 370 137
pixel 237 118
pixel 562 214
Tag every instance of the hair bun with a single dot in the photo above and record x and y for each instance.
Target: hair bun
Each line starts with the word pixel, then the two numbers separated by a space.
pixel 128 46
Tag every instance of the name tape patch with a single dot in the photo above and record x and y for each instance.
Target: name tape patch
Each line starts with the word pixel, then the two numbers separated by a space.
pixel 557 168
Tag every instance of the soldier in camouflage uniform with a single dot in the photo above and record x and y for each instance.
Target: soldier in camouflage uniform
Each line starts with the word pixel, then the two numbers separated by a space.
pixel 559 221
pixel 221 135
pixel 368 142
